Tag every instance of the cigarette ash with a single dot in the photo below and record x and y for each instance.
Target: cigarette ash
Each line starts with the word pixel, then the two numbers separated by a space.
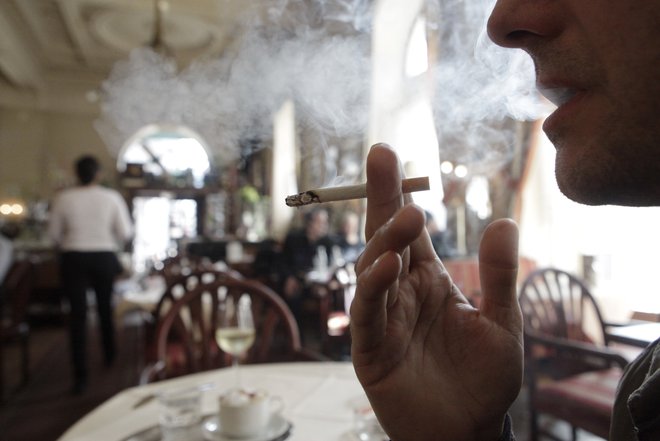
pixel 300 199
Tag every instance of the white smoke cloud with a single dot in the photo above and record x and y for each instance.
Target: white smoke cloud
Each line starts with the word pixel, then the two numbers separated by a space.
pixel 478 86
pixel 293 52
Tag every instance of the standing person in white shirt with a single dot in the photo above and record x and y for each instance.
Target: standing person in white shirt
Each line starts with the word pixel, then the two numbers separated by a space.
pixel 89 223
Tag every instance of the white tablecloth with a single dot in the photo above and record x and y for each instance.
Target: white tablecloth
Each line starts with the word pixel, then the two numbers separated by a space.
pixel 318 400
pixel 138 296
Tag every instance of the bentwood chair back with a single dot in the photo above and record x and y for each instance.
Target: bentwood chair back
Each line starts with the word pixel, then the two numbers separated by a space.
pixel 177 285
pixel 185 334
pixel 172 268
pixel 571 373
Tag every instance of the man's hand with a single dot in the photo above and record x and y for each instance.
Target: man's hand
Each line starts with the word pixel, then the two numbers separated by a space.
pixel 433 367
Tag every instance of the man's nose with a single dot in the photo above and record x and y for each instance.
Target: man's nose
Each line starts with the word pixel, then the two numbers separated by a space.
pixel 519 23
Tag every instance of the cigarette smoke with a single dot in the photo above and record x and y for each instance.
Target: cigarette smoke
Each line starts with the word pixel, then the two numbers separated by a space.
pixel 293 51
pixel 479 87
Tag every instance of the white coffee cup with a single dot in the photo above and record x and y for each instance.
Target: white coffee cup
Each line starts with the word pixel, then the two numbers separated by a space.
pixel 244 414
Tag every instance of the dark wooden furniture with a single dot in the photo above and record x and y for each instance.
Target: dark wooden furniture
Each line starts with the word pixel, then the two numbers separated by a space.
pixel 171 268
pixel 48 301
pixel 571 375
pixel 180 278
pixel 185 334
pixel 14 326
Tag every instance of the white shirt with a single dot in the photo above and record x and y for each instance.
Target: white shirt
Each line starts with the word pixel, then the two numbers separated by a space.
pixel 89 218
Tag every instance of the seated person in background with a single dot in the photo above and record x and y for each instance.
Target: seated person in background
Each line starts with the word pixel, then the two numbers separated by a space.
pixel 299 253
pixel 438 237
pixel 348 237
pixel 267 263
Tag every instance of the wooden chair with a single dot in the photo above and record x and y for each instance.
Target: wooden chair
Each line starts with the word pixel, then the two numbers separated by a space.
pixel 14 325
pixel 180 265
pixel 571 375
pixel 185 334
pixel 177 285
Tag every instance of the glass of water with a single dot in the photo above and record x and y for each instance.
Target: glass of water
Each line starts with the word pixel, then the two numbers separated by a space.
pixel 179 413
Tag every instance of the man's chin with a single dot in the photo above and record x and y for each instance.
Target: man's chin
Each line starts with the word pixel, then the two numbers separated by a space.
pixel 579 187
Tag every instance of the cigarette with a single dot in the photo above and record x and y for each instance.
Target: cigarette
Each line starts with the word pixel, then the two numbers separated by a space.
pixel 358 191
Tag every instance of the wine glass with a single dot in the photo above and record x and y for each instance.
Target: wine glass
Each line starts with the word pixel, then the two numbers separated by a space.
pixel 235 333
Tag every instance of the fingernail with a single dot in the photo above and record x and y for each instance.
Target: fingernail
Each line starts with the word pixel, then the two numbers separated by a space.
pixel 382 144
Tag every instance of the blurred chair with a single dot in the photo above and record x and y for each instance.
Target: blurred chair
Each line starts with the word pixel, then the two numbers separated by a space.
pixel 185 334
pixel 335 299
pixel 572 375
pixel 177 285
pixel 14 325
pixel 172 267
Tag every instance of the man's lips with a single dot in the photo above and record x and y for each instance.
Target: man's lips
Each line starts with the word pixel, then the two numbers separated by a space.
pixel 557 95
pixel 567 98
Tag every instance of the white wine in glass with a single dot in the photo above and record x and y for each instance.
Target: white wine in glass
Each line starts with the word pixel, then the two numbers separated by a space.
pixel 235 341
pixel 235 334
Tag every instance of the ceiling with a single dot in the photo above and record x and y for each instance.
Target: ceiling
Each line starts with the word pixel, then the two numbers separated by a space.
pixel 51 46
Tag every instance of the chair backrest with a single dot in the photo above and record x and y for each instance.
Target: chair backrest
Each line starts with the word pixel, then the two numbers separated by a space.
pixel 171 268
pixel 569 377
pixel 191 321
pixel 557 303
pixel 176 286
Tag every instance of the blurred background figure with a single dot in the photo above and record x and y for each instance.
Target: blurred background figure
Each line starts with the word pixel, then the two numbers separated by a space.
pixel 438 237
pixel 89 223
pixel 302 250
pixel 348 237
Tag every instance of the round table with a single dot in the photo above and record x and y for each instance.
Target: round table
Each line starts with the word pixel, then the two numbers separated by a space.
pixel 319 398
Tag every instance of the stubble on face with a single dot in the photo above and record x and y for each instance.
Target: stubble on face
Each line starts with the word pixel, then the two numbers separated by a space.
pixel 609 151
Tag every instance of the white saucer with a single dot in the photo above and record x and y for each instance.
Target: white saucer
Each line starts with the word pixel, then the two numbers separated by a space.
pixel 278 429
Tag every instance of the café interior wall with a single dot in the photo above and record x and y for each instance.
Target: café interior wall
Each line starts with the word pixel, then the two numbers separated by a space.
pixel 21 135
pixel 38 147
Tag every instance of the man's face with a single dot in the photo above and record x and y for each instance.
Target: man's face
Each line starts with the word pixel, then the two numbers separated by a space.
pixel 599 61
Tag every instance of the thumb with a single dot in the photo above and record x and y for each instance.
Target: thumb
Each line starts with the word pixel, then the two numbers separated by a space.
pixel 498 270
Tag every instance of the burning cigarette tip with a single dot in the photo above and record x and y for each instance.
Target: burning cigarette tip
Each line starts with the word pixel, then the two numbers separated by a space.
pixel 300 199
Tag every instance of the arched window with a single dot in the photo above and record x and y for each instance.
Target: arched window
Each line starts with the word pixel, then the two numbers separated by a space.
pixel 166 153
pixel 172 163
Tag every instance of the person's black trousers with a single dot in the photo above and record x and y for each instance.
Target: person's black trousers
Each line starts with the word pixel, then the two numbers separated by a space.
pixel 80 271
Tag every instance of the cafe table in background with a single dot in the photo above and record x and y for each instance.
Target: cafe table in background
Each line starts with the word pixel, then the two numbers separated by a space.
pixel 636 334
pixel 138 295
pixel 321 401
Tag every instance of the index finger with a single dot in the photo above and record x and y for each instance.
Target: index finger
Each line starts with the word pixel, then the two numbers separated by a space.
pixel 385 198
pixel 384 195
